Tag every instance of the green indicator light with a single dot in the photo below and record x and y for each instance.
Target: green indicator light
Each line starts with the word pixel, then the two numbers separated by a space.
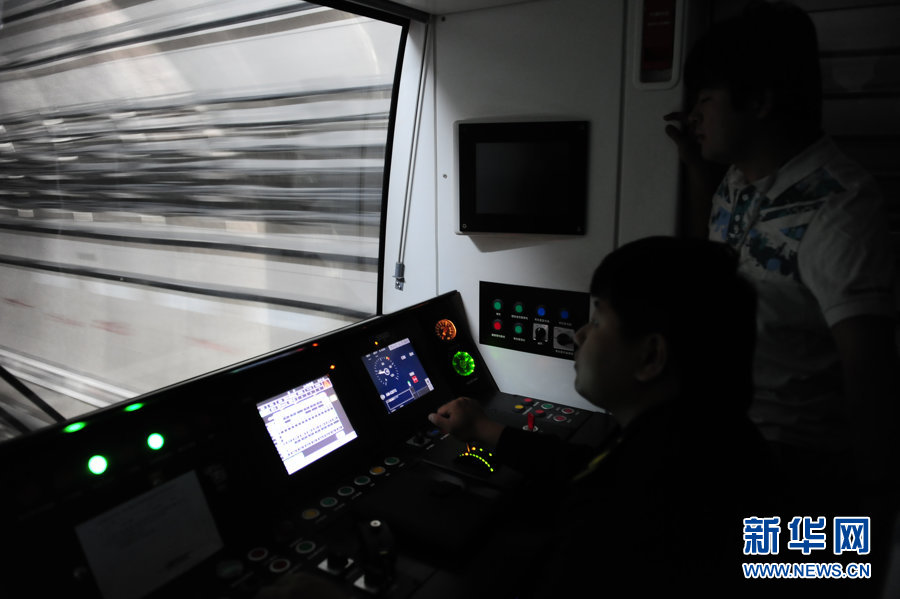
pixel 97 464
pixel 519 308
pixel 463 363
pixel 134 407
pixel 155 441
pixel 75 427
pixel 519 329
pixel 498 305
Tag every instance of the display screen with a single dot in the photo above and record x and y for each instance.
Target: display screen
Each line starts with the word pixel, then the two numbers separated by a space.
pixel 150 539
pixel 398 375
pixel 306 423
pixel 521 178
pixel 528 177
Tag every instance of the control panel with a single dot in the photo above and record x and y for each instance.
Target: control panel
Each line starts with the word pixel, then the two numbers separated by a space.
pixel 531 319
pixel 315 459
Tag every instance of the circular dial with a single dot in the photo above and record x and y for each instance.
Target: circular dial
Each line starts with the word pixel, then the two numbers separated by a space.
pixel 445 330
pixel 463 363
pixel 385 371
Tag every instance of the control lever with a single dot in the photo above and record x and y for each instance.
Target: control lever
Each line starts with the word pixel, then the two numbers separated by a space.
pixel 336 562
pixel 379 556
pixel 338 551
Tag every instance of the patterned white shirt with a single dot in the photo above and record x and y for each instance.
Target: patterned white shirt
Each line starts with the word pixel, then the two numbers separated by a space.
pixel 813 238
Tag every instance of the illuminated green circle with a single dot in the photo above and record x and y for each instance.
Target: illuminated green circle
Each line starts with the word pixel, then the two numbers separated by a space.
pixel 74 427
pixel 133 407
pixel 155 441
pixel 463 363
pixel 97 464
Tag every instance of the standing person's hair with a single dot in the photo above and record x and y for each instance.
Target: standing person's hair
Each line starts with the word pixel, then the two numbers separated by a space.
pixel 771 46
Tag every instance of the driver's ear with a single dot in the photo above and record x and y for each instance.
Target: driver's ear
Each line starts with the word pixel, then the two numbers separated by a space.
pixel 653 357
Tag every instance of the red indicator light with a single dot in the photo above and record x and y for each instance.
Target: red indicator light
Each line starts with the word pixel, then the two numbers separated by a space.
pixel 497 325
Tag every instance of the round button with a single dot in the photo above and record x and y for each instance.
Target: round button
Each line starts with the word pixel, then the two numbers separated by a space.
pixel 328 502
pixel 391 461
pixel 310 514
pixel 539 412
pixel 305 547
pixel 463 363
pixel 559 418
pixel 361 481
pixel 346 491
pixel 547 406
pixel 498 324
pixel 279 565
pixel 527 400
pixel 518 407
pixel 257 554
pixel 377 470
pixel 498 305
pixel 568 411
pixel 519 308
pixel 519 329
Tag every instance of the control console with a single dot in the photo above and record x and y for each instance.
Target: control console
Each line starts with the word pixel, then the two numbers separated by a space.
pixel 316 459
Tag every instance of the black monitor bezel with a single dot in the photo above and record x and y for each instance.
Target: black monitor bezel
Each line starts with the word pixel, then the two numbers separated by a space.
pixel 553 221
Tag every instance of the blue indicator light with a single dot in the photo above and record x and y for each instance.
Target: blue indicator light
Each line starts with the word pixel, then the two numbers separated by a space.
pixel 541 311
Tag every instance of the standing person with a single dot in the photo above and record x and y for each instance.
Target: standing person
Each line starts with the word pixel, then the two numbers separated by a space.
pixel 810 228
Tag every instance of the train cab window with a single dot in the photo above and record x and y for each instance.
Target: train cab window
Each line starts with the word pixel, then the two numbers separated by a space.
pixel 184 185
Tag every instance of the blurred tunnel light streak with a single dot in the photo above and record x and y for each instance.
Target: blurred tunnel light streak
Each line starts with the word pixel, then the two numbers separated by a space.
pixel 154 129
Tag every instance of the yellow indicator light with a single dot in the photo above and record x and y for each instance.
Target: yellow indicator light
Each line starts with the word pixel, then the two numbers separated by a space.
pixel 468 454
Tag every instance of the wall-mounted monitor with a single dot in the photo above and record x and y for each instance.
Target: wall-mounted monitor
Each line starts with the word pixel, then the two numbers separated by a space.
pixel 306 423
pixel 523 177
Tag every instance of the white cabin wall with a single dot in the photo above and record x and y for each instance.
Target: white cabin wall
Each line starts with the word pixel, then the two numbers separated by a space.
pixel 548 59
pixel 650 169
pixel 420 258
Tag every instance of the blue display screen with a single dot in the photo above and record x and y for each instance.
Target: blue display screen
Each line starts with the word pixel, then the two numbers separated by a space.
pixel 398 374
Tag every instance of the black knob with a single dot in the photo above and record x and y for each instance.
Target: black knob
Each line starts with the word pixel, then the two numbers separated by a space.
pixel 335 562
